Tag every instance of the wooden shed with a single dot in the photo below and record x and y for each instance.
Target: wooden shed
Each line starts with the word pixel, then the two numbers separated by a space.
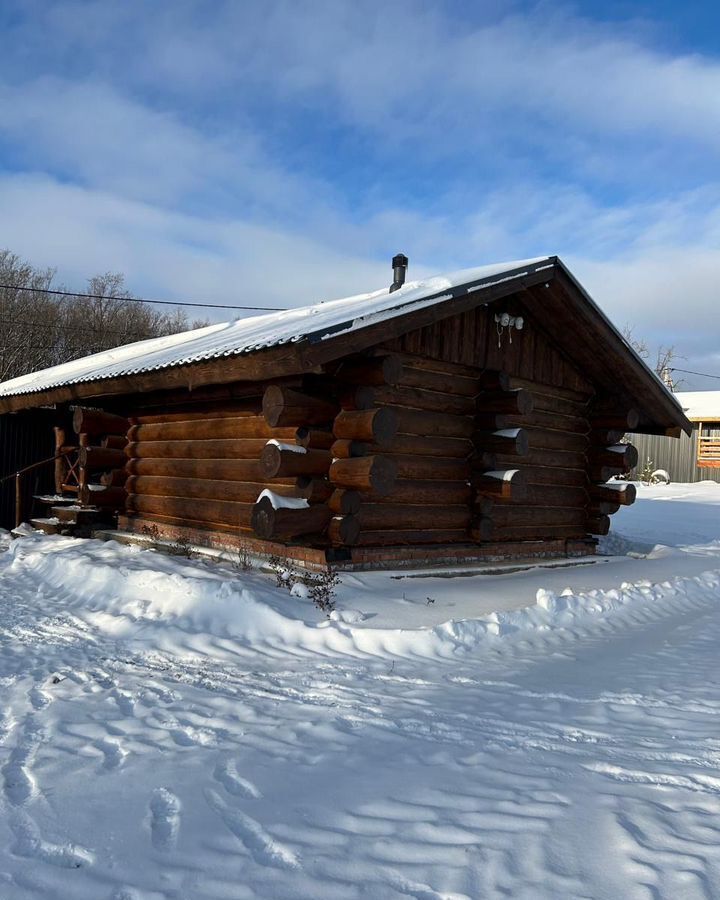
pixel 470 416
pixel 695 457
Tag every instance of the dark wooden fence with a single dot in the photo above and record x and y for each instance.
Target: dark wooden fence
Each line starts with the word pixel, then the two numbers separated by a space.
pixel 25 438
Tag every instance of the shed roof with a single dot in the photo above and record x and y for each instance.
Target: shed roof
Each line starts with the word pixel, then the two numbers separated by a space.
pixel 700 406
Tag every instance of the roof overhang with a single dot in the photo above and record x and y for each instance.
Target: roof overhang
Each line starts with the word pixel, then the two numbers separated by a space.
pixel 547 287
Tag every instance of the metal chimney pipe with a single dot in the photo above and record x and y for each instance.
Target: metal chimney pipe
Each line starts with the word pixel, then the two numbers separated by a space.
pixel 399 266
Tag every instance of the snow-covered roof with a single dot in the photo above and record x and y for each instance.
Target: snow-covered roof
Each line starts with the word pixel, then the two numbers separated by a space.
pixel 315 323
pixel 700 405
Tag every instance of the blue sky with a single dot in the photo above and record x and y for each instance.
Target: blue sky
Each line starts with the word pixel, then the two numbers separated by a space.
pixel 281 152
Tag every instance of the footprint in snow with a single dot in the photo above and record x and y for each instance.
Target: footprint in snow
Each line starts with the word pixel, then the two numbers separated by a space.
pixel 39 698
pixel 262 846
pixel 29 843
pixel 164 819
pixel 112 752
pixel 18 783
pixel 226 773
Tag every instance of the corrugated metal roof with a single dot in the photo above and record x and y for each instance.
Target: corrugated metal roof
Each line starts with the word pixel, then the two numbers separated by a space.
pixel 314 323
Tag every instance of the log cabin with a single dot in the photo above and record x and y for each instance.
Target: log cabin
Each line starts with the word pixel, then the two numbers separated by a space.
pixel 474 416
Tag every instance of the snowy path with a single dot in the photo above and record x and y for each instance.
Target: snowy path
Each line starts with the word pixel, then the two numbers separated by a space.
pixel 152 745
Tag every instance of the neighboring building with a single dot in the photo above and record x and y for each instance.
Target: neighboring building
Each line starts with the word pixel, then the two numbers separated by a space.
pixel 695 457
pixel 470 416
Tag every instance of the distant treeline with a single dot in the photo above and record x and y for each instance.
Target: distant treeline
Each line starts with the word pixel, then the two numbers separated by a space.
pixel 38 330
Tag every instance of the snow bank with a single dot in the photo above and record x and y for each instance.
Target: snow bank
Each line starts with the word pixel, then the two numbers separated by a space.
pixel 181 605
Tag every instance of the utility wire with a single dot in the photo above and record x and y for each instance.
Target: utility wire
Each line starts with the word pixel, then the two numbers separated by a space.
pixel 34 290
pixel 65 327
pixel 688 372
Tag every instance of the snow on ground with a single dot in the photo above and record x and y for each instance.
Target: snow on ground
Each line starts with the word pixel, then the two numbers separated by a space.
pixel 177 729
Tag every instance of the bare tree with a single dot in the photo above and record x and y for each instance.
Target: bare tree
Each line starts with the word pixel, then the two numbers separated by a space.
pixel 38 330
pixel 664 358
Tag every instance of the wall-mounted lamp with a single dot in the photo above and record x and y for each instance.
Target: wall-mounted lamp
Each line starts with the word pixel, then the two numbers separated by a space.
pixel 505 320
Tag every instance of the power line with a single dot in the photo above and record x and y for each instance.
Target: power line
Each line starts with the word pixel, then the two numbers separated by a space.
pixel 688 372
pixel 34 290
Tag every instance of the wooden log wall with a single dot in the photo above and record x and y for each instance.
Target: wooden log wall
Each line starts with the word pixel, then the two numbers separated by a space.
pixel 401 456
pixel 101 439
pixel 207 467
pixel 545 445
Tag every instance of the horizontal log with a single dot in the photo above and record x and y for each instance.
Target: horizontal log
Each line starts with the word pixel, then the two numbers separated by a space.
pixel 386 516
pixel 345 502
pixel 550 475
pixel 314 490
pixel 114 441
pixel 532 533
pixel 279 462
pixel 504 516
pixel 223 469
pixel 283 524
pixel 509 441
pixel 414 398
pixel 138 523
pixel 434 493
pixel 225 428
pixel 494 381
pixel 599 508
pixel 623 421
pixel 536 456
pixel 343 531
pixel 621 492
pixel 397 537
pixel 222 512
pixel 95 422
pixel 367 473
pixel 561 495
pixel 538 418
pixel 201 488
pixel 444 382
pixel 113 478
pixel 623 455
pixel 549 405
pixel 433 468
pixel 506 484
pixel 459 448
pixel 227 448
pixel 101 457
pixel 441 366
pixel 604 473
pixel 285 406
pixel 314 438
pixel 198 413
pixel 432 424
pixel 545 439
pixel 550 390
pixel 108 498
pixel 378 426
pixel 605 437
pixel 371 371
pixel 599 525
pixel 518 402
